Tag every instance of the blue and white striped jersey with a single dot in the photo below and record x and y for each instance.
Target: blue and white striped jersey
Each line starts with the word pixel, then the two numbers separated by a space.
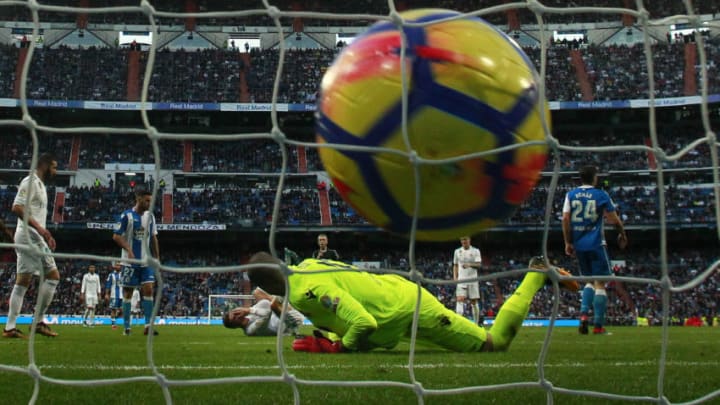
pixel 134 228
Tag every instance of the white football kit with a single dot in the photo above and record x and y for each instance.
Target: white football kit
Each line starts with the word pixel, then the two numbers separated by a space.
pixel 262 321
pixel 27 262
pixel 91 289
pixel 460 258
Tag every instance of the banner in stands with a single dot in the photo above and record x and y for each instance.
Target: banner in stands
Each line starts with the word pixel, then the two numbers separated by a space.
pixel 265 107
pixel 165 227
pixel 202 320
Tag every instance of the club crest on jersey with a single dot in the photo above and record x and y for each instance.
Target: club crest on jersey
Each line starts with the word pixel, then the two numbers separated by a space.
pixel 329 303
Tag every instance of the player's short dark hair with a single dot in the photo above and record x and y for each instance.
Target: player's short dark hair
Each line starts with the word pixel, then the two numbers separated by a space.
pixel 226 321
pixel 588 173
pixel 46 159
pixel 142 193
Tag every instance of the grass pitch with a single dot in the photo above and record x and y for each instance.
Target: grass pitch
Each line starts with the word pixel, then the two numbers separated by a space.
pixel 624 363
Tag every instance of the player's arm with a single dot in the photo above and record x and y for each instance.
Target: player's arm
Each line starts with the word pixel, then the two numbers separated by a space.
pixel 19 210
pixel 566 228
pixel 120 229
pixel 613 218
pixel 455 266
pixel 154 243
pixel 262 311
pixel 360 323
pixel 83 286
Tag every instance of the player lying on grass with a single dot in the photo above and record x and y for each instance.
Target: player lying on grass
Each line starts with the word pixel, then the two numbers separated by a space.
pixel 369 311
pixel 263 318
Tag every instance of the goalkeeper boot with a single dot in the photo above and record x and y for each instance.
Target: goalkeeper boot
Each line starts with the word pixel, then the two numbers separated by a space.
pixel 583 328
pixel 538 262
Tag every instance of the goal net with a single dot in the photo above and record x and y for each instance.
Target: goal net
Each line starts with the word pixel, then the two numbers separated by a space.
pixel 218 304
pixel 639 22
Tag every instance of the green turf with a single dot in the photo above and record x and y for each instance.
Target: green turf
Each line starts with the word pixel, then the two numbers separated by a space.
pixel 625 363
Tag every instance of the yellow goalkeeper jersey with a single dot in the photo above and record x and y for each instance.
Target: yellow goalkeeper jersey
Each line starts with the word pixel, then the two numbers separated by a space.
pixel 367 310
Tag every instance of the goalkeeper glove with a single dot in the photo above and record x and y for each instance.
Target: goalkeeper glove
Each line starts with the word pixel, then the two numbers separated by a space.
pixel 317 344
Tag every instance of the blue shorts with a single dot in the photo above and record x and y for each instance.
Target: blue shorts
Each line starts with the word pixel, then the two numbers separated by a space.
pixel 115 303
pixel 594 262
pixel 134 277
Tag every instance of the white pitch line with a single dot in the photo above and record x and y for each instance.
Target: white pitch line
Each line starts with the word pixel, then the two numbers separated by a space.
pixel 100 367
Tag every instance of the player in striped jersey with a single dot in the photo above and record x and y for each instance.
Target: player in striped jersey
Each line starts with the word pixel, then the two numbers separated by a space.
pixel 113 293
pixel 584 210
pixel 89 294
pixel 136 233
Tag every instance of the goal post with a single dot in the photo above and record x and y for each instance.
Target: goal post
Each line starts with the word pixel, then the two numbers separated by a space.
pixel 246 300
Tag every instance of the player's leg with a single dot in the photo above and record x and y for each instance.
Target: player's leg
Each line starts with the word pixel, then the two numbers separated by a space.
pixel 147 279
pixel 17 296
pixel 513 312
pixel 460 297
pixel 601 267
pixel 588 292
pixel 46 292
pixel 25 267
pixel 129 279
pixel 448 329
pixel 92 303
pixel 85 313
pixel 473 293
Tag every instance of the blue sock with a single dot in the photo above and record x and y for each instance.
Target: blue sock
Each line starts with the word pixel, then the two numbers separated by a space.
pixel 588 295
pixel 126 313
pixel 600 306
pixel 147 306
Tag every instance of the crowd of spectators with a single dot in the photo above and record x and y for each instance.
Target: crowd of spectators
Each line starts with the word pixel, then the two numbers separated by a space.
pixel 656 9
pixel 236 205
pixel 186 293
pixel 96 151
pixel 615 72
pixel 99 203
pixel 16 148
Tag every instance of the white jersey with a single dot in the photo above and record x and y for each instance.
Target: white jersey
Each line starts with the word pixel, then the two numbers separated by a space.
pixel 262 321
pixel 37 206
pixel 90 285
pixel 469 255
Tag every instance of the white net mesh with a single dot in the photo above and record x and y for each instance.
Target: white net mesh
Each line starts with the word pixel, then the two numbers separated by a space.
pixel 155 136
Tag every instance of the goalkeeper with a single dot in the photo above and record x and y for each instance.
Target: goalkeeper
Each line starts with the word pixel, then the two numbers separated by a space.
pixel 368 311
pixel 263 318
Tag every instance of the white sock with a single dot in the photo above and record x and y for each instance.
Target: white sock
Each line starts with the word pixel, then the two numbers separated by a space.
pixel 45 296
pixel 92 316
pixel 16 300
pixel 460 307
pixel 475 312
pixel 85 314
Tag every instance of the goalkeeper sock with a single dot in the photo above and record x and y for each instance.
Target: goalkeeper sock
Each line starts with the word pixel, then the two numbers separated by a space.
pixel 147 307
pixel 126 313
pixel 513 312
pixel 600 307
pixel 588 294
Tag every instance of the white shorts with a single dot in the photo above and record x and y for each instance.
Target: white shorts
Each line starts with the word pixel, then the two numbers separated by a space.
pixel 91 301
pixel 468 290
pixel 33 263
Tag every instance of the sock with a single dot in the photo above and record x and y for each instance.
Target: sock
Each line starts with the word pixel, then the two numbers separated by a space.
pixel 92 317
pixel 85 314
pixel 513 312
pixel 112 318
pixel 126 313
pixel 45 296
pixel 475 312
pixel 460 307
pixel 147 307
pixel 600 307
pixel 16 300
pixel 588 293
